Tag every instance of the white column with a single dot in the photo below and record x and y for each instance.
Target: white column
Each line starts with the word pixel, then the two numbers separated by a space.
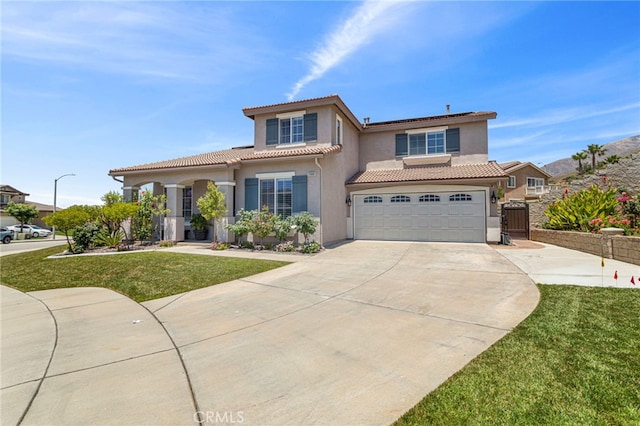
pixel 174 221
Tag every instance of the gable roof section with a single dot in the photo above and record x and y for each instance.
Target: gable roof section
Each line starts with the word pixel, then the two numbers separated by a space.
pixel 513 166
pixel 227 158
pixel 251 112
pixel 10 190
pixel 417 174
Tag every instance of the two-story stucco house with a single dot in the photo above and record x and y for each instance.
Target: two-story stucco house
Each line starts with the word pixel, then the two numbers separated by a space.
pixel 418 179
pixel 526 181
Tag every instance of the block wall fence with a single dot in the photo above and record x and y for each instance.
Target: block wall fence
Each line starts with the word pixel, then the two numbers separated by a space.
pixel 618 247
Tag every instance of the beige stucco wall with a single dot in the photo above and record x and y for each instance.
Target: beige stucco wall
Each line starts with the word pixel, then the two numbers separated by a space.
pixel 326 128
pixel 378 148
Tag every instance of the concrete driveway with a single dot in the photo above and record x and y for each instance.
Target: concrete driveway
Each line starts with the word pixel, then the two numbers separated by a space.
pixel 355 335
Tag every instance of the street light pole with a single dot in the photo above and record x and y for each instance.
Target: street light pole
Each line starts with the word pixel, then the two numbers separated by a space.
pixel 55 196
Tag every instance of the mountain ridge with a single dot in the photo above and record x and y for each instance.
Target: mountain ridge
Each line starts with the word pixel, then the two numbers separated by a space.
pixel 621 148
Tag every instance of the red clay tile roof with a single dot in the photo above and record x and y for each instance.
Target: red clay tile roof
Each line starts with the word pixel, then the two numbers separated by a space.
pixel 228 157
pixel 416 174
pixel 506 166
pixel 292 102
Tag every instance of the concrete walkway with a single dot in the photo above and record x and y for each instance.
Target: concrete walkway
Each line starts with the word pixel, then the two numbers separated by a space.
pixel 355 335
pixel 550 264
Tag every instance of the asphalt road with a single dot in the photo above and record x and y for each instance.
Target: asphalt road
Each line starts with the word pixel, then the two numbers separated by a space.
pixel 21 246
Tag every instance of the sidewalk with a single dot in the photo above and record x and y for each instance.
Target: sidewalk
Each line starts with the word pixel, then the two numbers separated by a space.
pixel 549 264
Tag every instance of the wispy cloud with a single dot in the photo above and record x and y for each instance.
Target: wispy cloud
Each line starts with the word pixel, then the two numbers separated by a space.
pixel 368 20
pixel 152 40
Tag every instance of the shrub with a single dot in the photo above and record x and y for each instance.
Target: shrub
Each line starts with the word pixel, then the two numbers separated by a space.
pixel 243 224
pixel 247 245
pixel 165 243
pixel 282 227
pixel 220 245
pixel 577 210
pixel 111 239
pixel 285 247
pixel 311 247
pixel 306 224
pixel 85 235
pixel 263 223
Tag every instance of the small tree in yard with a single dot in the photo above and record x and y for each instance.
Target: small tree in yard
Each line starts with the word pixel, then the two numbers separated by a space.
pixel 23 213
pixel 68 219
pixel 149 206
pixel 212 205
pixel 112 216
pixel 306 224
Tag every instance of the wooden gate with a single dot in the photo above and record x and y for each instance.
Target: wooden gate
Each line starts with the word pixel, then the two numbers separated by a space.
pixel 515 219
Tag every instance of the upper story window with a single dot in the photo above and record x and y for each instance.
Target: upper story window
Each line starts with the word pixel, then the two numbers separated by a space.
pixel 534 182
pixel 512 182
pixel 338 130
pixel 292 128
pixel 4 199
pixel 428 142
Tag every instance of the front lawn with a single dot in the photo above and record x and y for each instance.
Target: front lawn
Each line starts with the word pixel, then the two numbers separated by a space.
pixel 575 360
pixel 140 276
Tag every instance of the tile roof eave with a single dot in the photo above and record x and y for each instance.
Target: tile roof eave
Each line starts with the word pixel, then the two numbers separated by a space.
pixel 138 170
pixel 429 181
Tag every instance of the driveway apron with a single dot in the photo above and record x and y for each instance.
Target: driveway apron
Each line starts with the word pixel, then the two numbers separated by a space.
pixel 355 335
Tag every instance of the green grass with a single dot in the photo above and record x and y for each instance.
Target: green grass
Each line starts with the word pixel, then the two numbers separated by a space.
pixel 140 276
pixel 575 360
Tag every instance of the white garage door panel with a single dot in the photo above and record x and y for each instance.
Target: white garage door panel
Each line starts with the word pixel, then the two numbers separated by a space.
pixel 446 220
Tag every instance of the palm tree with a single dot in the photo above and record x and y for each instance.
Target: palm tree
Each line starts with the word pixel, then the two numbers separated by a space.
pixel 595 149
pixel 579 156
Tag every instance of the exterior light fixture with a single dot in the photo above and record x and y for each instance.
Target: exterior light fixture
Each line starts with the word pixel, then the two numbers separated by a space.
pixel 494 199
pixel 348 200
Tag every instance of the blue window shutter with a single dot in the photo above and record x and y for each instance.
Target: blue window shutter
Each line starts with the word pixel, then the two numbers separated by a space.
pixel 272 131
pixel 299 194
pixel 402 144
pixel 251 194
pixel 453 140
pixel 310 127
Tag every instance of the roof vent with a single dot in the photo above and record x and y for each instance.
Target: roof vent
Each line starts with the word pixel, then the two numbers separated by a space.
pixel 448 109
pixel 366 120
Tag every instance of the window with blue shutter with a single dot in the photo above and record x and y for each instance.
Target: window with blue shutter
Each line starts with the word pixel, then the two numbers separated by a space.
pixel 310 127
pixel 453 140
pixel 402 145
pixel 272 131
pixel 299 203
pixel 292 130
pixel 251 194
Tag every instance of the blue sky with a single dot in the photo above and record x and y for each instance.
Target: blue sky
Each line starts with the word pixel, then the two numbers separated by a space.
pixel 91 86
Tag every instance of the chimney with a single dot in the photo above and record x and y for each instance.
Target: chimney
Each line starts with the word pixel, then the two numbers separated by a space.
pixel 448 109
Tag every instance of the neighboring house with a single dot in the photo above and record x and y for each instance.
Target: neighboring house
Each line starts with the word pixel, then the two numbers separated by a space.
pixel 419 179
pixel 8 194
pixel 526 181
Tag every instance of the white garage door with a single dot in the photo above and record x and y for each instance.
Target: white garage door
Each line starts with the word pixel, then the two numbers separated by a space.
pixel 437 216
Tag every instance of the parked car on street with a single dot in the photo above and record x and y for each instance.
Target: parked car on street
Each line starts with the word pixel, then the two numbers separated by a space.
pixel 32 230
pixel 6 235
